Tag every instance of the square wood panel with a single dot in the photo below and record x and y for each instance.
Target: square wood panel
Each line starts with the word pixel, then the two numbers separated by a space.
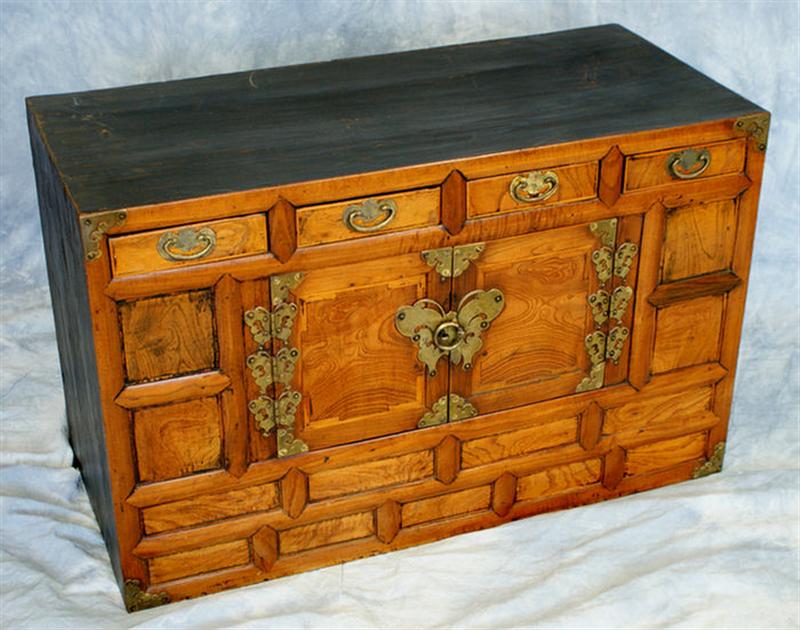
pixel 688 334
pixel 699 239
pixel 170 335
pixel 175 440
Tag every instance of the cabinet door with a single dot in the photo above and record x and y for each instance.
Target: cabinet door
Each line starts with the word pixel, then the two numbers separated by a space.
pixel 557 287
pixel 354 376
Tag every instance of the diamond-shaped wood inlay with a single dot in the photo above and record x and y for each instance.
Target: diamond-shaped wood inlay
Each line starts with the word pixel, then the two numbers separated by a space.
pixel 387 518
pixel 447 459
pixel 504 493
pixel 614 467
pixel 265 548
pixel 294 492
pixel 591 426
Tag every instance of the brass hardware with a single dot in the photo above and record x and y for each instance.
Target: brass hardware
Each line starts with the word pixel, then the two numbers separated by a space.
pixel 451 262
pixel 689 163
pixel 533 186
pixel 756 126
pixel 94 226
pixel 283 284
pixel 137 599
pixel 437 332
pixel 268 369
pixel 595 344
pixel 450 408
pixel 623 259
pixel 616 339
pixel 619 302
pixel 599 303
pixel 603 263
pixel 605 230
pixel 188 244
pixel 713 464
pixel 370 215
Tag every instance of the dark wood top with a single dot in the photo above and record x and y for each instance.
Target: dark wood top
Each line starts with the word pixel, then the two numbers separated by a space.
pixel 162 142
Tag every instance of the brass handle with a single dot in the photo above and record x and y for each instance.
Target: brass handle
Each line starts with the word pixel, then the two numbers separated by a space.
pixel 688 164
pixel 370 215
pixel 184 245
pixel 534 186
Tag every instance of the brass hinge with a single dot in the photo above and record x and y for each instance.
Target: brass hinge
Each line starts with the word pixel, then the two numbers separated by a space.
pixel 450 408
pixel 94 226
pixel 713 464
pixel 269 369
pixel 756 126
pixel 137 599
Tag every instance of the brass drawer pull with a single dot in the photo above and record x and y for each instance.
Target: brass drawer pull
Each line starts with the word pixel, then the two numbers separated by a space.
pixel 187 244
pixel 688 164
pixel 370 215
pixel 534 186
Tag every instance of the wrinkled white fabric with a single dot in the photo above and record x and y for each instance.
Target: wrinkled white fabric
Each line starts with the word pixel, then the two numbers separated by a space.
pixel 717 552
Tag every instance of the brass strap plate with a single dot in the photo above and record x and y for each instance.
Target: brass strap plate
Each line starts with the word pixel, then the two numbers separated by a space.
pixel 451 262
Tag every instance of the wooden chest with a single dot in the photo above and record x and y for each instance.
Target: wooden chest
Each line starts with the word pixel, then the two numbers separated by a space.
pixel 315 313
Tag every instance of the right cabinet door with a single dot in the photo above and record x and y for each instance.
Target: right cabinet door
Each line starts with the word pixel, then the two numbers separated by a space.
pixel 569 296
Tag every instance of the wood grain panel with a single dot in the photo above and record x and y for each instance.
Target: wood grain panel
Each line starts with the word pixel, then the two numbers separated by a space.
pixel 167 336
pixel 209 507
pixel 179 439
pixel 665 453
pixel 377 474
pixel 210 558
pixel 559 479
pixel 699 239
pixel 651 169
pixel 576 182
pixel 692 288
pixel 328 532
pixel 172 390
pixel 514 443
pixel 138 253
pixel 688 333
pixel 641 415
pixel 325 224
pixel 446 505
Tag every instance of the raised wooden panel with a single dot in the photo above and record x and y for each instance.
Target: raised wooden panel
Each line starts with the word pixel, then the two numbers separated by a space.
pixel 328 532
pixel 211 558
pixel 514 443
pixel 535 349
pixel 138 253
pixel 491 195
pixel 699 239
pixel 325 224
pixel 559 479
pixel 688 333
pixel 665 453
pixel 166 336
pixel 207 508
pixel 346 327
pixel 651 169
pixel 175 440
pixel 641 415
pixel 370 475
pixel 446 505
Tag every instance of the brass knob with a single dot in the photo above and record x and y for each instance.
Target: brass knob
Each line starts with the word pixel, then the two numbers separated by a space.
pixel 534 186
pixel 448 335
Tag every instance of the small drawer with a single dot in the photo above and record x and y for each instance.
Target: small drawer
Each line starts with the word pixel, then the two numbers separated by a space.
pixel 189 245
pixel 532 189
pixel 356 218
pixel 683 164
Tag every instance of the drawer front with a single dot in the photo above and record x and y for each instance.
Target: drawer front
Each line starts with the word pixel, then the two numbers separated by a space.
pixel 532 189
pixel 363 217
pixel 189 245
pixel 684 164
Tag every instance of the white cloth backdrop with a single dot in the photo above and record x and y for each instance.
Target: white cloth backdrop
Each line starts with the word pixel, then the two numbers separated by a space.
pixel 722 551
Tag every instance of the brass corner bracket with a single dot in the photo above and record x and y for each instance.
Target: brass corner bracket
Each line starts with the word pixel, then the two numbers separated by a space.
pixel 713 464
pixel 756 126
pixel 450 408
pixel 95 226
pixel 137 599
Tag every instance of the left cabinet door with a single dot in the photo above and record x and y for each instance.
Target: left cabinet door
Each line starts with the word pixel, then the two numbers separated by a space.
pixel 343 373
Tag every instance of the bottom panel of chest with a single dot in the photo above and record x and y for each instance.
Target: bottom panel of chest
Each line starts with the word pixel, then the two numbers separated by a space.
pixel 351 502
